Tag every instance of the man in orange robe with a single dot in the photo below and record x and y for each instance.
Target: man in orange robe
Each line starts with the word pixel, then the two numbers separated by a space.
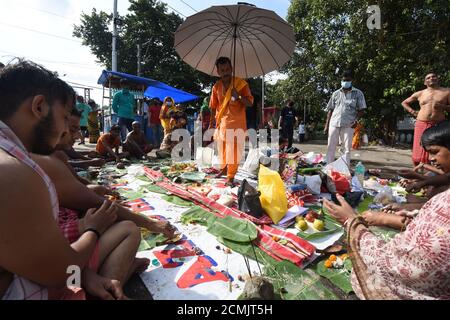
pixel 229 99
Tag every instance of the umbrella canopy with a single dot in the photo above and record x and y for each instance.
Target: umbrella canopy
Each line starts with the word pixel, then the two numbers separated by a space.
pixel 257 41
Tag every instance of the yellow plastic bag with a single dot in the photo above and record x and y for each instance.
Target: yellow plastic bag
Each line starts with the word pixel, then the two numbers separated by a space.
pixel 273 193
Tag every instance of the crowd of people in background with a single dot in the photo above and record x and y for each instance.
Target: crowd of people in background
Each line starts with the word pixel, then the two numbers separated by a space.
pixel 41 118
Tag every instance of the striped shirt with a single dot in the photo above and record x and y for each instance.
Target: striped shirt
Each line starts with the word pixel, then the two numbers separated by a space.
pixel 345 107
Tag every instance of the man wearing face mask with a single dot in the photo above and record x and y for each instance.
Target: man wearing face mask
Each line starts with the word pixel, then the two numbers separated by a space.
pixel 345 108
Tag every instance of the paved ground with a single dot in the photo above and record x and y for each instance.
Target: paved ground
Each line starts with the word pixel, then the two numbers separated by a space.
pixel 373 157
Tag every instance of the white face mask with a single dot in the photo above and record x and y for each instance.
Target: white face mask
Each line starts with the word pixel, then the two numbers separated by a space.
pixel 346 84
pixel 168 103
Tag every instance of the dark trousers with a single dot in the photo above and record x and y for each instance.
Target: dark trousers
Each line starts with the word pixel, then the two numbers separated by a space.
pixel 289 133
pixel 301 137
pixel 84 131
pixel 125 124
pixel 157 134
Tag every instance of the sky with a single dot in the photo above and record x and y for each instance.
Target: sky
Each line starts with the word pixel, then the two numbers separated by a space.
pixel 41 31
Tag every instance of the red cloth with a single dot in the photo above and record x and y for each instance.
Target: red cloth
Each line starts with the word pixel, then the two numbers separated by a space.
pixel 419 155
pixel 68 224
pixel 153 112
pixel 297 250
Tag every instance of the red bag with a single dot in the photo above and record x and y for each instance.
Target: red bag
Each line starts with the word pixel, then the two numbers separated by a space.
pixel 341 182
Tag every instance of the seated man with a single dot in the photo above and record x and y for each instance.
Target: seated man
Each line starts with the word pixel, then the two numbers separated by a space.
pixel 108 142
pixel 118 245
pixel 33 121
pixel 136 144
pixel 65 149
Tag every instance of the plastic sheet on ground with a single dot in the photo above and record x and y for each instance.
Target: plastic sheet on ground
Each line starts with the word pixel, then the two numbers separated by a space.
pixel 177 271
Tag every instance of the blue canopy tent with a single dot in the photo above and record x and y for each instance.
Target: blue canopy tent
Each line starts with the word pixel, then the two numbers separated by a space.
pixel 154 89
pixel 162 90
pixel 140 87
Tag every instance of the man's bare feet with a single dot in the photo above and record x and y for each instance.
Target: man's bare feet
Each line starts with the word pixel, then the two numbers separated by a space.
pixel 139 265
pixel 230 182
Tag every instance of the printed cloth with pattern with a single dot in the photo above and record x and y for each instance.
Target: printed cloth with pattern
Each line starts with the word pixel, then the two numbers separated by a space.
pixel 415 264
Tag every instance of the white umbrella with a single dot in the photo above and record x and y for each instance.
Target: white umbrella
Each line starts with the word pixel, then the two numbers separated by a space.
pixel 257 41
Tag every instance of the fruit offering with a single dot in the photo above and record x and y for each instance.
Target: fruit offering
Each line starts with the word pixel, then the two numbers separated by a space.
pixel 336 262
pixel 318 225
pixel 301 225
pixel 311 216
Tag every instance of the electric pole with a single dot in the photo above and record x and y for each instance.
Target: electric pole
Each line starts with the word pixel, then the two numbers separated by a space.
pixel 138 60
pixel 114 38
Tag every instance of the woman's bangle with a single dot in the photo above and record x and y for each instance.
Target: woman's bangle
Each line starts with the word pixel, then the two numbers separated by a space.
pixel 345 222
pixel 94 231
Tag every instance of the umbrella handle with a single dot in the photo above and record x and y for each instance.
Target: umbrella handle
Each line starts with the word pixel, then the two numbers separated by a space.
pixel 234 53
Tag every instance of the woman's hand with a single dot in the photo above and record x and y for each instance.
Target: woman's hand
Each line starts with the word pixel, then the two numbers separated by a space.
pixel 102 218
pixel 163 227
pixel 341 212
pixel 414 187
pixel 100 190
pixel 375 218
pixel 405 182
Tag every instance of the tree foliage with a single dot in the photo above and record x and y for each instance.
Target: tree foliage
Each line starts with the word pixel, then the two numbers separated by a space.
pixel 389 64
pixel 148 21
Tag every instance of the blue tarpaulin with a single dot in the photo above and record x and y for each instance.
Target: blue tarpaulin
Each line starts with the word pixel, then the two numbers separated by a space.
pixel 155 89
pixel 177 95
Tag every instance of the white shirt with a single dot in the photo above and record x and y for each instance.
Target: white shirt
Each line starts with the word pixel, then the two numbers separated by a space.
pixel 301 129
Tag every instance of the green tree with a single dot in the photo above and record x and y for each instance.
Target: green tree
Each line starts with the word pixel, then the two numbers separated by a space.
pixel 149 22
pixel 389 64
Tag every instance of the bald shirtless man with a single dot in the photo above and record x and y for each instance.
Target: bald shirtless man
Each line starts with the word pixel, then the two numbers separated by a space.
pixel 434 101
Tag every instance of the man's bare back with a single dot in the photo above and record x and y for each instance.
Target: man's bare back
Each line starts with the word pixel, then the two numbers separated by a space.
pixel 12 166
pixel 430 101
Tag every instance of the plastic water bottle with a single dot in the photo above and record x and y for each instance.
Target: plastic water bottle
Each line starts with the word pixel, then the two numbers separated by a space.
pixel 360 170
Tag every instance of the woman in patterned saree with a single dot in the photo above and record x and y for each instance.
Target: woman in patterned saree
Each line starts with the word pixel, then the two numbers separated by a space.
pixel 93 125
pixel 415 264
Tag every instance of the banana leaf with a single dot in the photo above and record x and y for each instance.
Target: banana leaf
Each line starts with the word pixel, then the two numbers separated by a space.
pixel 177 201
pixel 245 248
pixel 308 170
pixel 153 188
pixel 339 277
pixel 238 230
pixel 331 226
pixel 198 215
pixel 297 283
pixel 130 195
pixel 151 241
pixel 193 176
pixel 364 205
